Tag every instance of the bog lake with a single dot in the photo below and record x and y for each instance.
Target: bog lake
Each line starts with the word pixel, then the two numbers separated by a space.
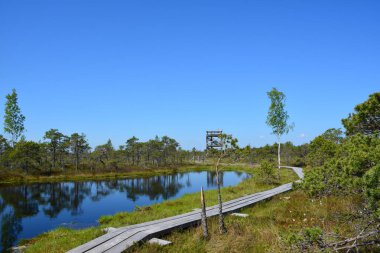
pixel 31 209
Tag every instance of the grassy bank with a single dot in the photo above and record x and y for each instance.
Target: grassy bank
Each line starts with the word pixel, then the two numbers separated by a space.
pixel 7 177
pixel 57 240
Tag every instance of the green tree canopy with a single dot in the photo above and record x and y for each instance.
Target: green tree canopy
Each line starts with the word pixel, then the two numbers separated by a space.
pixel 278 117
pixel 13 118
pixel 26 155
pixel 366 119
pixel 324 147
pixel 103 153
pixel 4 145
pixel 372 188
pixel 333 134
pixel 55 142
pixel 78 145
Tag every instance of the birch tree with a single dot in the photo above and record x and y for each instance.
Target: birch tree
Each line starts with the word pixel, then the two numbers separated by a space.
pixel 13 118
pixel 278 118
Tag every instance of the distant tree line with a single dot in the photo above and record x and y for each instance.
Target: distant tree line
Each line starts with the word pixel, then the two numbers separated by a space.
pixel 60 152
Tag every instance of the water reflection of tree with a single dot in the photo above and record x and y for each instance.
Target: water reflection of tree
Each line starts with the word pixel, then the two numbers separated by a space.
pixel 79 192
pixel 10 228
pixel 154 187
pixel 26 200
pixel 52 198
pixel 21 199
pixel 211 178
pixel 57 199
pixel 101 190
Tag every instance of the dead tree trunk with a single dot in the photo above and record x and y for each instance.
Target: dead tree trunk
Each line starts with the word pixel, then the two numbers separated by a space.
pixel 203 215
pixel 222 227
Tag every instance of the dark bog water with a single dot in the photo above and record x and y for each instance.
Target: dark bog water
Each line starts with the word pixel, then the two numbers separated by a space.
pixel 29 210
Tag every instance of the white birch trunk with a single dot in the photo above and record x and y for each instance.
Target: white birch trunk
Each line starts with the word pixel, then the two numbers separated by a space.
pixel 278 153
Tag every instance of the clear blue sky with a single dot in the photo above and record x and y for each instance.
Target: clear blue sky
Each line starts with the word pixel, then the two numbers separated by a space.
pixel 114 69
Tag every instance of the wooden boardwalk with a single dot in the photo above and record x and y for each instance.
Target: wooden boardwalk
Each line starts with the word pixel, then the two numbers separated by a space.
pixel 120 239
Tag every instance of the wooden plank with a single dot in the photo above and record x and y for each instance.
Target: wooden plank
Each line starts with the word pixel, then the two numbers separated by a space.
pixel 126 244
pixel 138 233
pixel 93 243
pixel 243 215
pixel 159 242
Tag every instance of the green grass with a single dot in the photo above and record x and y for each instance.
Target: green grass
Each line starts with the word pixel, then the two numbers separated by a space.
pixel 61 239
pixel 43 243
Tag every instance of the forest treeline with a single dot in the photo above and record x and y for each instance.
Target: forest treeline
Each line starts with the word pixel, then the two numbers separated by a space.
pixel 59 152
